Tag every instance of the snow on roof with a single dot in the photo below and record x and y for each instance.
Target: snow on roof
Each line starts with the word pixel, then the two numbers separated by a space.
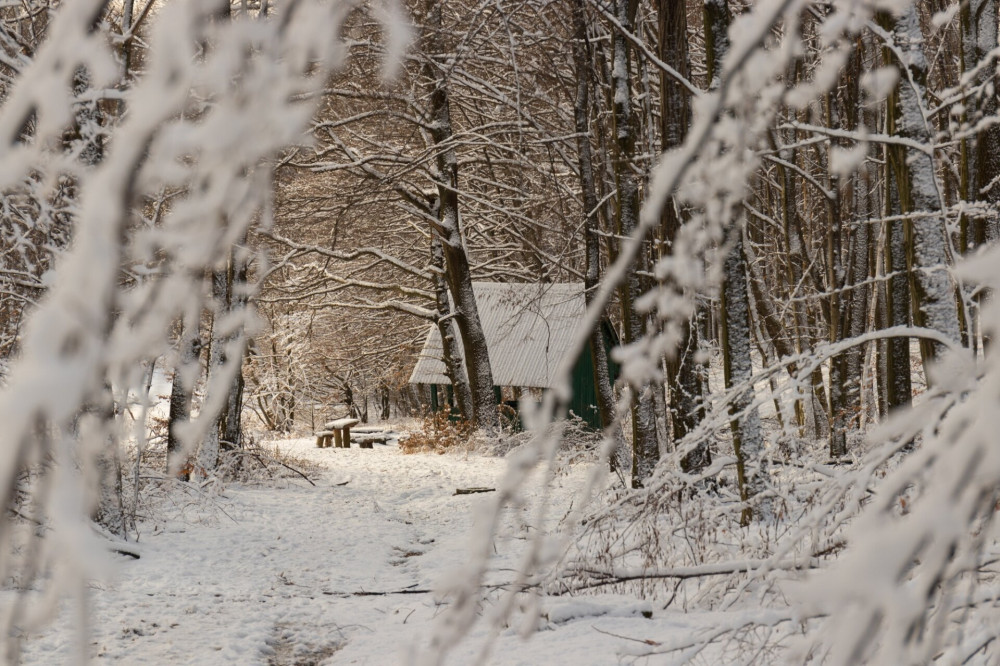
pixel 529 328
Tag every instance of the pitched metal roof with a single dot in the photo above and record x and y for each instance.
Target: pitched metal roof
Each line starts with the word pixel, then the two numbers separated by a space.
pixel 528 327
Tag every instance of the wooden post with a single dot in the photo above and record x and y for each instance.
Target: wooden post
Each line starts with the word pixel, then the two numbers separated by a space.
pixel 347 437
pixel 337 438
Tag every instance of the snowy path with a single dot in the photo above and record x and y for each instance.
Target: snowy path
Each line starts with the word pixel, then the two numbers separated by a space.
pixel 274 582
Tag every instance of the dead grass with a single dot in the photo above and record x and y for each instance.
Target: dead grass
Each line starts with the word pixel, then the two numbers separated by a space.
pixel 438 434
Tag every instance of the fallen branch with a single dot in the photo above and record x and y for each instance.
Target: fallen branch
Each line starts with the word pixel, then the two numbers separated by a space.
pixel 470 491
pixel 382 593
pixel 644 641
pixel 115 544
pixel 609 576
pixel 275 460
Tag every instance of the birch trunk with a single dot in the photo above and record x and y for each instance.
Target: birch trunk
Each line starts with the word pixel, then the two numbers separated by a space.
pixel 979 37
pixel 748 444
pixel 936 305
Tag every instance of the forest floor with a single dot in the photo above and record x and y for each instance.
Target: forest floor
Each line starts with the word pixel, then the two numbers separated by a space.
pixel 283 572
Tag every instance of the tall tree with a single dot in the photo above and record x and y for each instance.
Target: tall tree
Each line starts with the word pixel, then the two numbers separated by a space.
pixel 592 242
pixel 645 450
pixel 734 320
pixel 447 225
pixel 979 21
pixel 186 372
pixel 935 303
pixel 896 230
pixel 683 370
pixel 231 418
pixel 847 253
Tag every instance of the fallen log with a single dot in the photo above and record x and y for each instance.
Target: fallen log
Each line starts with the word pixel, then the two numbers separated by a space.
pixel 470 491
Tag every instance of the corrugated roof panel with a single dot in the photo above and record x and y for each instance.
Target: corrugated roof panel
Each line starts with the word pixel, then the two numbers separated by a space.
pixel 529 329
pixel 430 364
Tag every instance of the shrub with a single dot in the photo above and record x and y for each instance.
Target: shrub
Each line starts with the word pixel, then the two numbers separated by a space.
pixel 438 433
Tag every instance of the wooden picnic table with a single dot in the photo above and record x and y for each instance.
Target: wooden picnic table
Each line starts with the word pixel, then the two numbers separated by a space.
pixel 336 432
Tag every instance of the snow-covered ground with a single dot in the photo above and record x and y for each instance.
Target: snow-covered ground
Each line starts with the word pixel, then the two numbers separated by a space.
pixel 273 574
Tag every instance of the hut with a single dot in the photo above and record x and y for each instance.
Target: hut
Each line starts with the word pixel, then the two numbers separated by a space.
pixel 529 331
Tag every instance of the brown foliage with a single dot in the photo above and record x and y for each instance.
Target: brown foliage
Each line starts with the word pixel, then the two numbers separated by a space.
pixel 437 433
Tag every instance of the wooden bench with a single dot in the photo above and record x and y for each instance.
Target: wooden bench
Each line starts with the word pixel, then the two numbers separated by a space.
pixel 337 432
pixel 369 440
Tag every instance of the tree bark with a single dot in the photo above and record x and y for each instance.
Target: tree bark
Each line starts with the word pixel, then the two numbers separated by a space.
pixel 181 389
pixel 592 245
pixel 734 323
pixel 454 361
pixel 748 443
pixel 208 454
pixel 645 451
pixel 847 300
pixel 448 227
pixel 230 422
pixel 935 303
pixel 683 371
pixel 899 389
pixel 979 37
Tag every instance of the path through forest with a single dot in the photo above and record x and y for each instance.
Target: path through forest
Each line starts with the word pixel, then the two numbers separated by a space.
pixel 271 575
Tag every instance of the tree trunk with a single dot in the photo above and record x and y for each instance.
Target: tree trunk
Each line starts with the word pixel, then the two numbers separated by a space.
pixel 979 37
pixel 448 227
pixel 230 422
pixel 208 454
pixel 982 176
pixel 645 451
pixel 734 322
pixel 454 361
pixel 899 390
pixel 109 512
pixel 847 300
pixel 683 371
pixel 85 139
pixel 748 443
pixel 935 303
pixel 859 263
pixel 181 390
pixel 592 244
